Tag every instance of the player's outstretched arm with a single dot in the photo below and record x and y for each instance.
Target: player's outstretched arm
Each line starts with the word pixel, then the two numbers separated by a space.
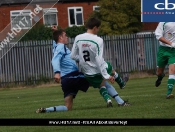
pixel 56 60
pixel 101 64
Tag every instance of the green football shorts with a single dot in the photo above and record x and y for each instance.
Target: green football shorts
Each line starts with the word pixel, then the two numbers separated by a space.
pixel 165 55
pixel 96 79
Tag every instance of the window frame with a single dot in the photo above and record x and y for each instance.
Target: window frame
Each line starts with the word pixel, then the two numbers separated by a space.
pixel 47 11
pixel 75 12
pixel 20 13
pixel 95 7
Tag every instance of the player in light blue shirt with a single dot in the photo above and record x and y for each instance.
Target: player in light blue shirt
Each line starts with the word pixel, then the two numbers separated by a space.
pixel 62 61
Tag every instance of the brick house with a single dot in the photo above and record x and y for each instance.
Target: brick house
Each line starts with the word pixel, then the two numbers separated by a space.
pixel 64 13
pixel 149 26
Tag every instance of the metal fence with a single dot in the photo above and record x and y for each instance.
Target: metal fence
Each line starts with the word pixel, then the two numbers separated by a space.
pixel 28 62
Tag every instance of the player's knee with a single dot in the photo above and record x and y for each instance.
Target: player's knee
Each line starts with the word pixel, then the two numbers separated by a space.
pixel 172 70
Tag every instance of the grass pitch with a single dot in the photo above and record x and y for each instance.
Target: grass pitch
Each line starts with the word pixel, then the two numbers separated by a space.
pixel 147 102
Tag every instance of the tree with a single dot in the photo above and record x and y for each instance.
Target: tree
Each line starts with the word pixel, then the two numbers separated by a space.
pixel 119 16
pixel 72 32
pixel 41 32
pixel 38 32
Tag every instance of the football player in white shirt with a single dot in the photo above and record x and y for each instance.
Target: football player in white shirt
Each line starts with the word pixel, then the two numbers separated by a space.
pixel 89 48
pixel 165 33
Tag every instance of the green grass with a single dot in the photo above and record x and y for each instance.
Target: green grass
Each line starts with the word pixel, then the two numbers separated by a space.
pixel 147 102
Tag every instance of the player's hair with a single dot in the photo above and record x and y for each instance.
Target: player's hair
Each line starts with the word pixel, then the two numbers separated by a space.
pixel 92 22
pixel 57 33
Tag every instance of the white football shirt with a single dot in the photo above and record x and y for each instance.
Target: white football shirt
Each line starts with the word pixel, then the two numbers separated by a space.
pixel 89 47
pixel 166 30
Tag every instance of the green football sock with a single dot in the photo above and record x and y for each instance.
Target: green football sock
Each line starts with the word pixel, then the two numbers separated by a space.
pixel 104 93
pixel 160 76
pixel 119 80
pixel 170 86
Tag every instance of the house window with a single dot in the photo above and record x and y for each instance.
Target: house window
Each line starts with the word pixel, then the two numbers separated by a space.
pixel 21 19
pixel 50 16
pixel 96 8
pixel 75 16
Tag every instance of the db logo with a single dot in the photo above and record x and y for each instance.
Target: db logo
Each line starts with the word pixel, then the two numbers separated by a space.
pixel 163 6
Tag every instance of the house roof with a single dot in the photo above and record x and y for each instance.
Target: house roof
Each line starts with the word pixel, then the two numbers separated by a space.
pixel 16 2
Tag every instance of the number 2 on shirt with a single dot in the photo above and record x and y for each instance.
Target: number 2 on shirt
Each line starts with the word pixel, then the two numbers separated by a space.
pixel 86 55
